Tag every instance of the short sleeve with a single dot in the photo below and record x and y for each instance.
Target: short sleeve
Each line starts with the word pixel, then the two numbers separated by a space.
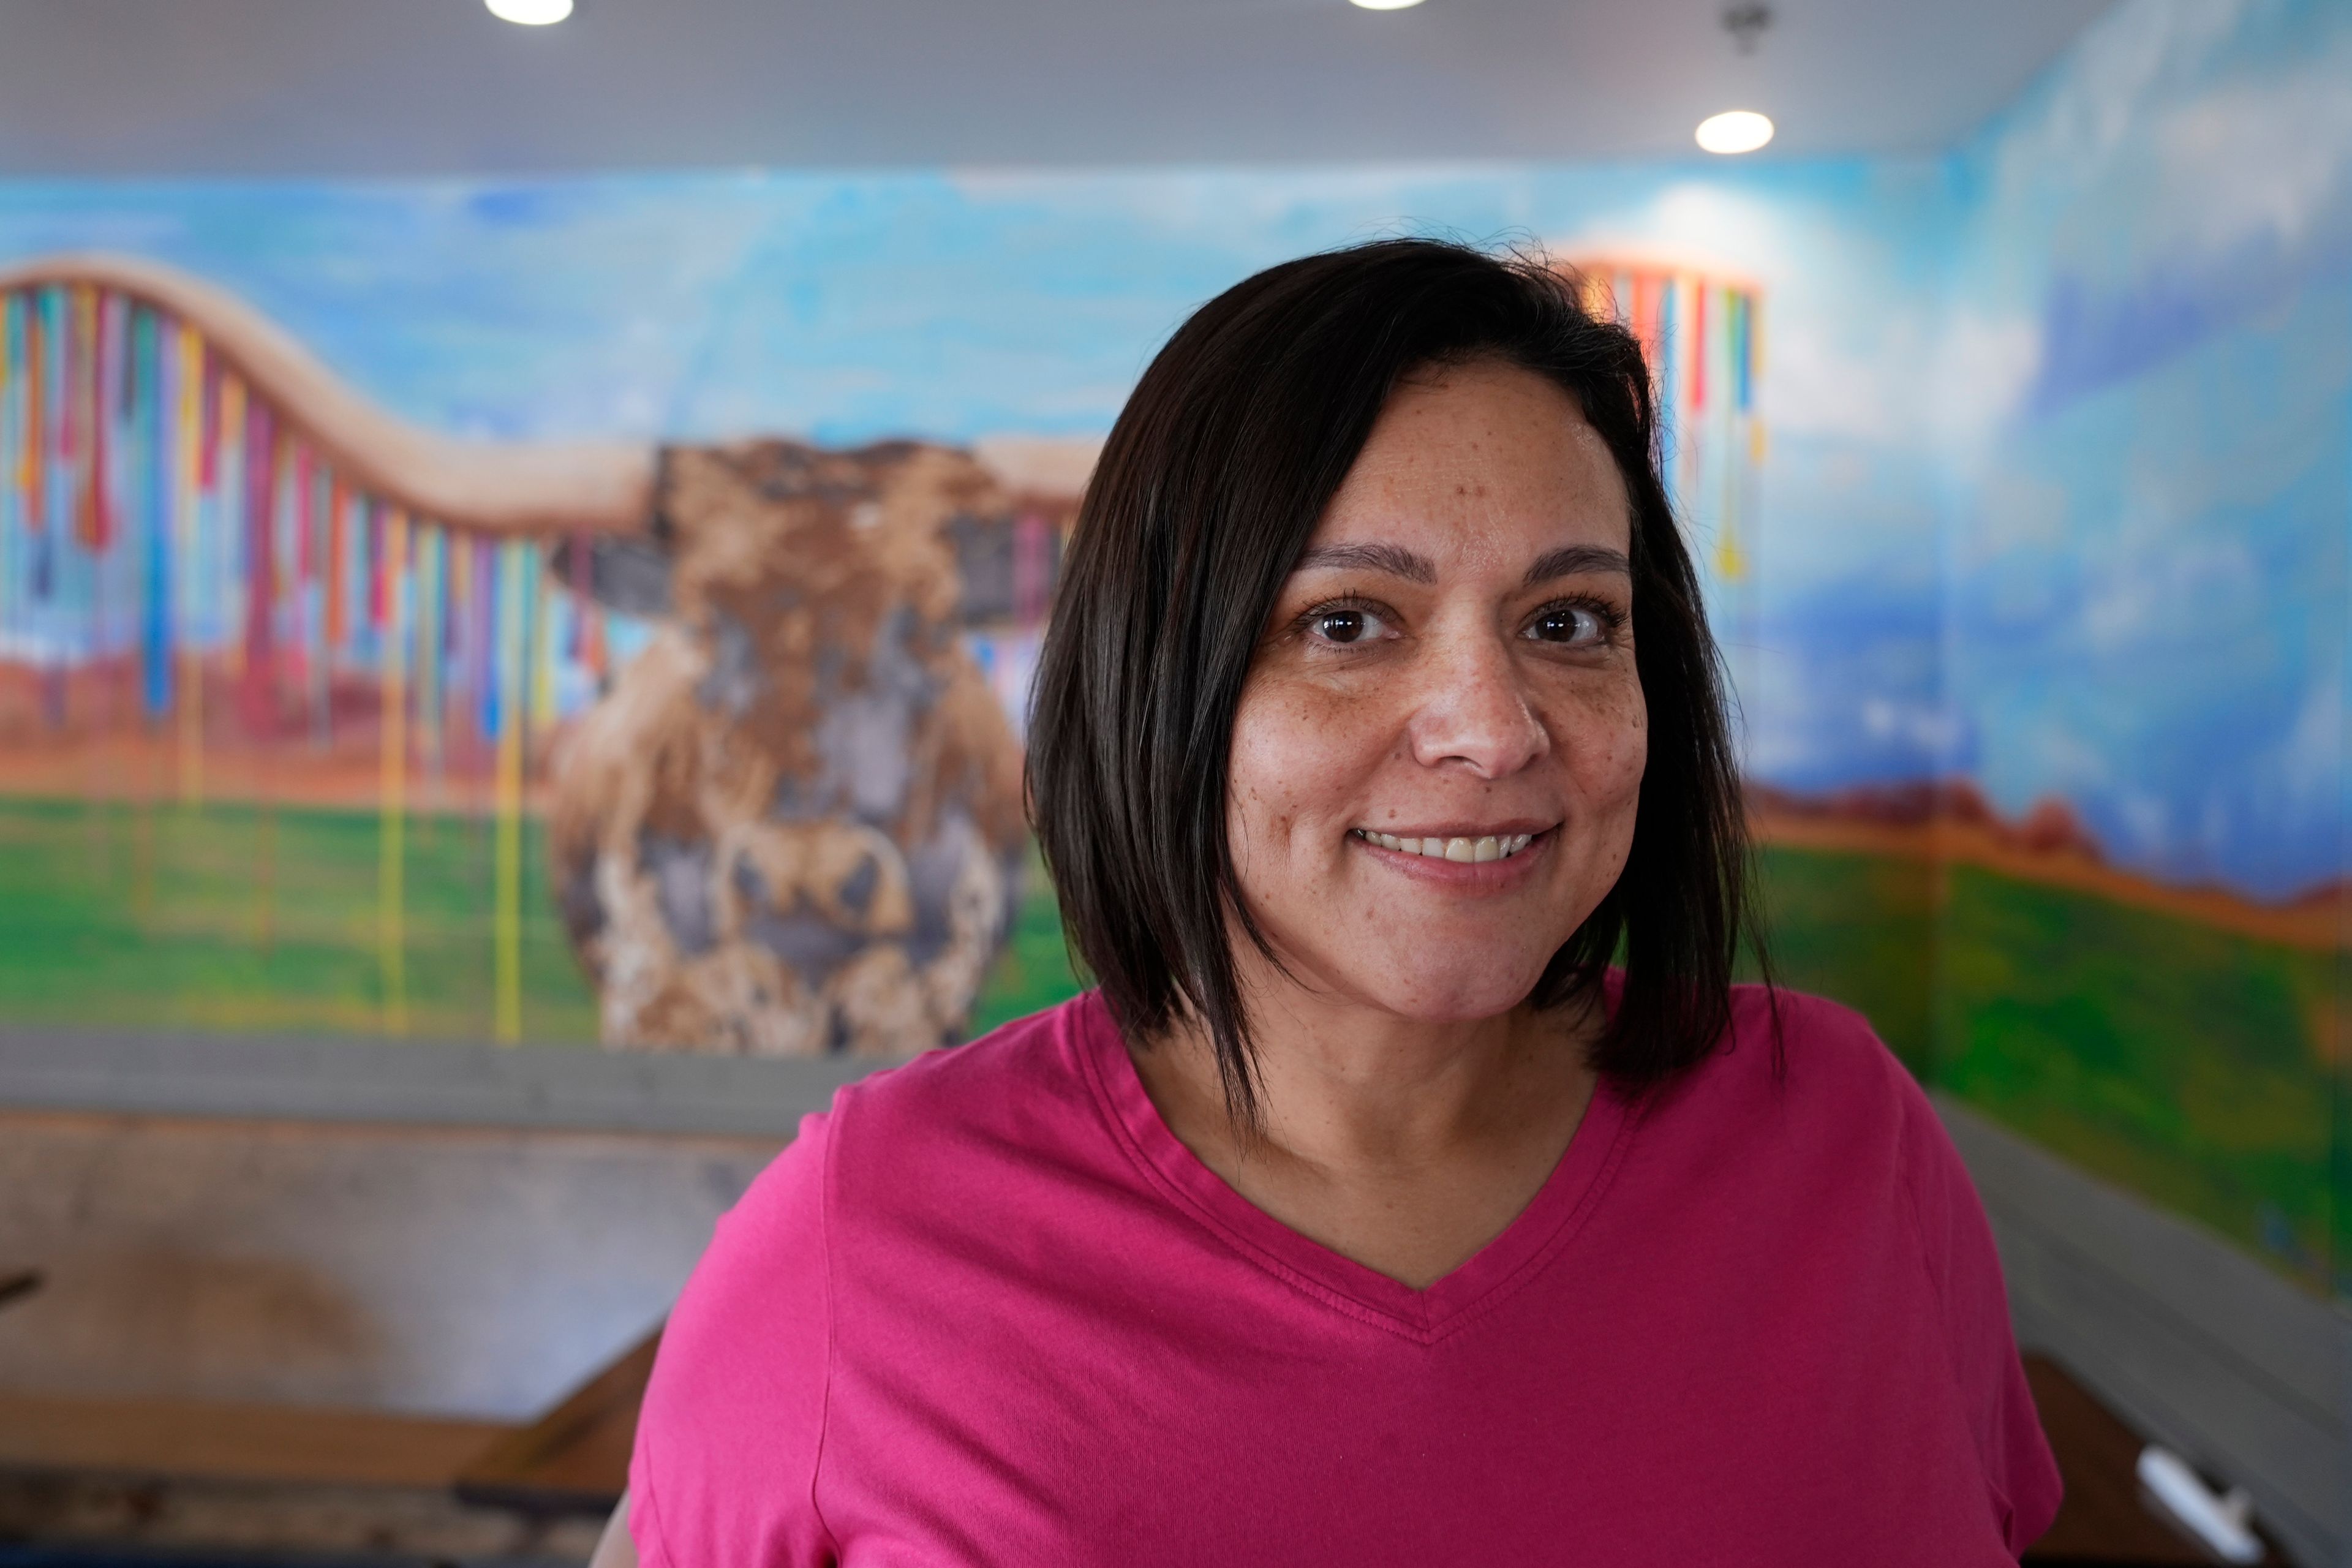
pixel 724 1470
pixel 1966 1272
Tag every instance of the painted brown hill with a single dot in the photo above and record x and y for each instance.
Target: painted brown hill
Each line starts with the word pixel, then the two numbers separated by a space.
pixel 1950 822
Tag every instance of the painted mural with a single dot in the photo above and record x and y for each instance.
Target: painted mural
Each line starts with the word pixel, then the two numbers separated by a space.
pixel 2117 865
pixel 2021 476
pixel 740 695
pixel 781 816
pixel 2145 614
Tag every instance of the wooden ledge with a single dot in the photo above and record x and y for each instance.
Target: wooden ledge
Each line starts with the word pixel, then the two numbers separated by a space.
pixel 236 1442
pixel 574 1458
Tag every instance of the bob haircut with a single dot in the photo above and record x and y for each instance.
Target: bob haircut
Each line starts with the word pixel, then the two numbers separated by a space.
pixel 1212 481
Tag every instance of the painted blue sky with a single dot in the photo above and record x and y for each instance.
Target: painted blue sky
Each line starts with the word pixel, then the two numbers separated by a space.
pixel 2146 596
pixel 953 306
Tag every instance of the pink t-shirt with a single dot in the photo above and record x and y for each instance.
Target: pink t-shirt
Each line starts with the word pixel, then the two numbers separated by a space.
pixel 988 1310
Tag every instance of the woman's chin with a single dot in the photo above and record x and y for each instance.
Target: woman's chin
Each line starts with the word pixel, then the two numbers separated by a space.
pixel 1452 997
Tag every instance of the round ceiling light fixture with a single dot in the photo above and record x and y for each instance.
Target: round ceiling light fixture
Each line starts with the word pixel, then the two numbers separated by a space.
pixel 1384 5
pixel 1734 130
pixel 529 13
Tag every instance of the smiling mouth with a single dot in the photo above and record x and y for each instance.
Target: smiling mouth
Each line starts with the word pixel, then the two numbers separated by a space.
pixel 1496 847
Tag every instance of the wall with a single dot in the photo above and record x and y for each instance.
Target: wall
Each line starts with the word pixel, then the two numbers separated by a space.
pixel 2037 614
pixel 2143 647
pixel 207 780
pixel 2145 614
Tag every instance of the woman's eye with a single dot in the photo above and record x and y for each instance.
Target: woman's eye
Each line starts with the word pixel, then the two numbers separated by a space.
pixel 1572 623
pixel 1349 625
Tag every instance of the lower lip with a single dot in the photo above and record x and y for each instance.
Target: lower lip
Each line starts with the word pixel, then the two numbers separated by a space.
pixel 1464 876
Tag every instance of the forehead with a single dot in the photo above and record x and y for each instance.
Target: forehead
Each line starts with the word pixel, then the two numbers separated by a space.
pixel 1484 458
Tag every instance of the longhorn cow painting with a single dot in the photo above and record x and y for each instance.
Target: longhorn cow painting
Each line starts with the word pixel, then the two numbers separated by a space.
pixel 739 685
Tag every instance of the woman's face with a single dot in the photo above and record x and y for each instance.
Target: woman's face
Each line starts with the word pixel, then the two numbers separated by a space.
pixel 1440 745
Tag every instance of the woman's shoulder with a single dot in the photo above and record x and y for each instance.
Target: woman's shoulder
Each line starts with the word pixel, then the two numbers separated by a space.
pixel 949 1116
pixel 1804 1109
pixel 960 1119
pixel 1803 1070
pixel 1025 1069
pixel 1797 1042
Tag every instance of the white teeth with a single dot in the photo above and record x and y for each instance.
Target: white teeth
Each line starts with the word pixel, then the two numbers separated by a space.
pixel 1467 851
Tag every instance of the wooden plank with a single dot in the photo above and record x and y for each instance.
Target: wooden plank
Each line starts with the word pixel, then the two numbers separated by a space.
pixel 203 1440
pixel 88 1518
pixel 2103 1519
pixel 2108 1519
pixel 575 1459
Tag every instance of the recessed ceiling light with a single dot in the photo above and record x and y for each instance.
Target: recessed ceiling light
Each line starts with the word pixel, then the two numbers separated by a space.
pixel 1733 130
pixel 529 13
pixel 1386 4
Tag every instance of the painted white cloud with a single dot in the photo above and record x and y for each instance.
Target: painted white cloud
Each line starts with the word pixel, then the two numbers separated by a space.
pixel 1924 727
pixel 1983 367
pixel 2310 759
pixel 2206 587
pixel 1817 387
pixel 2066 762
pixel 2015 511
pixel 2253 161
pixel 2213 159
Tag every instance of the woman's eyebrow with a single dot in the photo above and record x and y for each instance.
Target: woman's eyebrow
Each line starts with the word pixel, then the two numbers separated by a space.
pixel 1398 562
pixel 1394 559
pixel 1577 558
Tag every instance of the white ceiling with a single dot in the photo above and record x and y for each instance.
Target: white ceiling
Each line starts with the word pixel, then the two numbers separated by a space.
pixel 423 86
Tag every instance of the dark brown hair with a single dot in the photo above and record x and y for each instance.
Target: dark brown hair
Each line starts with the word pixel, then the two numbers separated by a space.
pixel 1214 479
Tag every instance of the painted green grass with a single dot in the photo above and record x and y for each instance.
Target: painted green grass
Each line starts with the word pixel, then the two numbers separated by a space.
pixel 1857 928
pixel 2181 1061
pixel 236 918
pixel 1034 970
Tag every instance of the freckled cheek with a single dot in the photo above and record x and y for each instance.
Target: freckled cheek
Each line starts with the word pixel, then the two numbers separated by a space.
pixel 1605 734
pixel 1299 759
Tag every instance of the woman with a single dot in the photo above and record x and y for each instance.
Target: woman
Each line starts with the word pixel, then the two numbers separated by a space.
pixel 1365 1213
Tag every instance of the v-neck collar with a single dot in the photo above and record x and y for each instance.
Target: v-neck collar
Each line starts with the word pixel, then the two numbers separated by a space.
pixel 1488 1276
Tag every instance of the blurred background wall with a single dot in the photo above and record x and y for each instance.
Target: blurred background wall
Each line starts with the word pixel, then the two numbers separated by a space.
pixel 2019 473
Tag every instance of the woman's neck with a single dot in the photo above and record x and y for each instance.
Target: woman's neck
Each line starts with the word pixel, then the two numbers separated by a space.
pixel 1404 1144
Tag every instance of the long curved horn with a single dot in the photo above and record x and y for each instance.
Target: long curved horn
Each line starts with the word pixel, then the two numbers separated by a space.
pixel 520 487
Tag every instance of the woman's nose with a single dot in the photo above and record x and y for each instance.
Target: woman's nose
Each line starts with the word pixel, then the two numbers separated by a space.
pixel 1473 709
